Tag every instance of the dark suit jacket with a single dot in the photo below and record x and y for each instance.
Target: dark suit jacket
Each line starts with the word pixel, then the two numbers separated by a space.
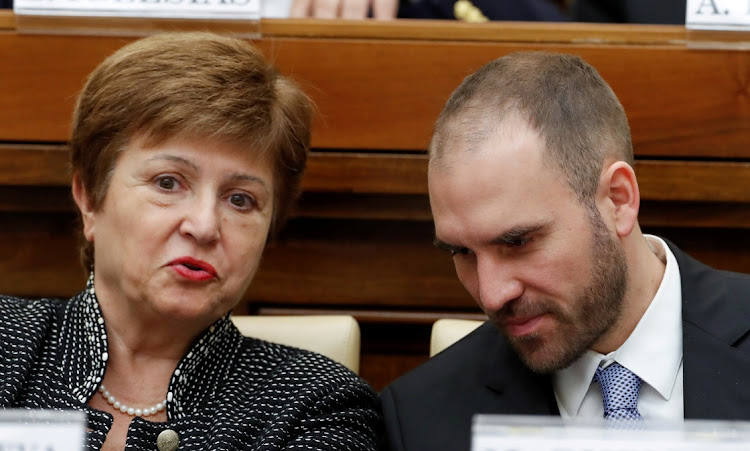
pixel 630 11
pixel 527 10
pixel 431 407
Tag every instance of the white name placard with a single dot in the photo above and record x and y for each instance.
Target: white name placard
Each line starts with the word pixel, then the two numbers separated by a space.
pixel 533 433
pixel 171 9
pixel 41 430
pixel 718 15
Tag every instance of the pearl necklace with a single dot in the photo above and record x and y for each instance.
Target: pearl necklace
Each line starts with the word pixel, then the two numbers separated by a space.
pixel 129 410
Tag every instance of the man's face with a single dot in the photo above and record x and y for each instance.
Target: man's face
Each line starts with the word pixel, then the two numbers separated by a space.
pixel 544 267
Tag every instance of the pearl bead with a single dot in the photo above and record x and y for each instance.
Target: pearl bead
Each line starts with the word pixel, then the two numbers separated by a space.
pixel 130 410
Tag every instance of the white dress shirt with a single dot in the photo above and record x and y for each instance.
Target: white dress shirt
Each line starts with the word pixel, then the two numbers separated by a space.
pixel 653 352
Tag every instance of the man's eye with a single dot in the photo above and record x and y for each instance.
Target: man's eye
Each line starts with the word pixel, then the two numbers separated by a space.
pixel 460 251
pixel 167 183
pixel 242 201
pixel 518 242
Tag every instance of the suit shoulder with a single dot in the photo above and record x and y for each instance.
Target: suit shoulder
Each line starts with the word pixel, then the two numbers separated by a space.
pixel 27 317
pixel 454 366
pixel 302 370
pixel 24 328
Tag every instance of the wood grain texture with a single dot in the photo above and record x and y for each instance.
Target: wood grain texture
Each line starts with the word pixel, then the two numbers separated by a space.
pixel 317 263
pixel 383 316
pixel 406 174
pixel 34 165
pixel 7 20
pixel 394 88
pixel 631 34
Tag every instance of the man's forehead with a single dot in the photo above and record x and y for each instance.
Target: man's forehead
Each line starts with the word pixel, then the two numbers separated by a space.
pixel 512 140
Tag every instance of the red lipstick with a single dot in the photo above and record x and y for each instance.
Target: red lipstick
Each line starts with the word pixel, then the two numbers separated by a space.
pixel 193 269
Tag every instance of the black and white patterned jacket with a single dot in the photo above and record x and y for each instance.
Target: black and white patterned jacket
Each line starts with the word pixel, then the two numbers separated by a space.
pixel 228 392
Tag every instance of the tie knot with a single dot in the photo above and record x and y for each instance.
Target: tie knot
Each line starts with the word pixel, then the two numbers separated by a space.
pixel 620 388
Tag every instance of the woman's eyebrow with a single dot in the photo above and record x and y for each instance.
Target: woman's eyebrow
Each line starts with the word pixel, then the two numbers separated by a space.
pixel 176 159
pixel 239 177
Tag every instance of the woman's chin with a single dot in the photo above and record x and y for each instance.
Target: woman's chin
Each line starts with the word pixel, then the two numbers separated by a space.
pixel 187 311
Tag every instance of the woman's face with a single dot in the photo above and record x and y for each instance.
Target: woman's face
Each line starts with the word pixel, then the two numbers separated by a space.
pixel 181 229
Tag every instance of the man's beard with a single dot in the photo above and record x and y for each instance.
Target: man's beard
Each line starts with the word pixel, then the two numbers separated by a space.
pixel 579 324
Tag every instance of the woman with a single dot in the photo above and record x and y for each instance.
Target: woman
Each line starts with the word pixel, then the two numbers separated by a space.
pixel 187 150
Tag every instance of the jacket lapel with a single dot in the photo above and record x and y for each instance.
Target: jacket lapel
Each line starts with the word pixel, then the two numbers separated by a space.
pixel 513 389
pixel 716 321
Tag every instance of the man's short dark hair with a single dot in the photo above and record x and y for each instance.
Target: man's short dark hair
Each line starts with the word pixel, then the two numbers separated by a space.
pixel 560 96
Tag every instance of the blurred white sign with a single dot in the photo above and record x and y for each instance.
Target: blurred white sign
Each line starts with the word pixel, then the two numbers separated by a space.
pixel 535 433
pixel 173 9
pixel 42 430
pixel 718 15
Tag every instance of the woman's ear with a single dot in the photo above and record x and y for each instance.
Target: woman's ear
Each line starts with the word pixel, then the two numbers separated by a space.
pixel 619 188
pixel 87 213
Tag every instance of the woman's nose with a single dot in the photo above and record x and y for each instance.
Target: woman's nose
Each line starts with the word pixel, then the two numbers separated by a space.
pixel 201 220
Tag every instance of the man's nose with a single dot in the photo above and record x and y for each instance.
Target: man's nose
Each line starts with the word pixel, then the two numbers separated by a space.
pixel 497 282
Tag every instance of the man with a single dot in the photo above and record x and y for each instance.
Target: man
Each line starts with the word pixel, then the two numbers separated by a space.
pixel 533 193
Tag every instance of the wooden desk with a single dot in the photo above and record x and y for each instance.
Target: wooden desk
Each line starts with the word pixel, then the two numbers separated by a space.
pixel 360 241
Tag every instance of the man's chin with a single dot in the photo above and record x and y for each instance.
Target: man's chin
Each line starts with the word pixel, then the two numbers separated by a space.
pixel 540 356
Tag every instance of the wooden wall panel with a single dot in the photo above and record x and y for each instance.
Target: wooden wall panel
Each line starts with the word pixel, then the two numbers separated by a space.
pixel 360 241
pixel 393 90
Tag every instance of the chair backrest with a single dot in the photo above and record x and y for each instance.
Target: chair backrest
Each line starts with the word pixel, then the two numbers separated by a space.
pixel 334 336
pixel 446 331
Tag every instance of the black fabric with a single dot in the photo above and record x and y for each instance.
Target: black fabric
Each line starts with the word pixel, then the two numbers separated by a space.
pixel 526 10
pixel 6 4
pixel 432 406
pixel 228 392
pixel 630 11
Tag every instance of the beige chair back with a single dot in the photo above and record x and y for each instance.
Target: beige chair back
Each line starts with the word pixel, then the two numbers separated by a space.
pixel 446 331
pixel 334 336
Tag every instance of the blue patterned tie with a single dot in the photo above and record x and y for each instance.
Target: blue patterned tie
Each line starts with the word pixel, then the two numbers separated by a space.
pixel 620 388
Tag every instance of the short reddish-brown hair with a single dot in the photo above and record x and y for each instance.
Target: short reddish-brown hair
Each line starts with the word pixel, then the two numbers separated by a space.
pixel 190 86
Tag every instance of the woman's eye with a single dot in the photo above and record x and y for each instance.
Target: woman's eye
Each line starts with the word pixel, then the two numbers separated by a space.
pixel 242 201
pixel 167 183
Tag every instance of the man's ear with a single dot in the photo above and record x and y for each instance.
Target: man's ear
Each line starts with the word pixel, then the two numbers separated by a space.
pixel 87 213
pixel 618 189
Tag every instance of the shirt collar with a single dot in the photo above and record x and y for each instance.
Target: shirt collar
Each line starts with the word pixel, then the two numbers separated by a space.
pixel 84 355
pixel 653 351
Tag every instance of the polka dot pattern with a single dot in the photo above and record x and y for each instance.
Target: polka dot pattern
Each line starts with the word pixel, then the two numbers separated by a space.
pixel 228 392
pixel 620 388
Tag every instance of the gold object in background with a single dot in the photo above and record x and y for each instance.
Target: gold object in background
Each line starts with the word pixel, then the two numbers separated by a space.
pixel 465 11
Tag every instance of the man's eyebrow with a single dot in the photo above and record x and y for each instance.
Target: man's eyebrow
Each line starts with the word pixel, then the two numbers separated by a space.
pixel 516 233
pixel 443 246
